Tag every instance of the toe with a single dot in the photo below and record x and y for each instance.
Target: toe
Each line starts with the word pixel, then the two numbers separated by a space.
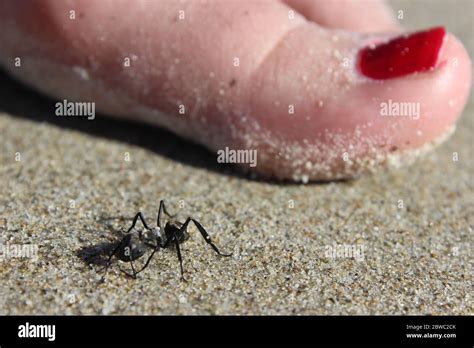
pixel 320 118
pixel 362 16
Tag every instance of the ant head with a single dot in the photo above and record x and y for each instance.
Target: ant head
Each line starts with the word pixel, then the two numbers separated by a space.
pixel 173 227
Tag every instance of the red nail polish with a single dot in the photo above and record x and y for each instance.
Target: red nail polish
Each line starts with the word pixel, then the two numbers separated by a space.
pixel 403 55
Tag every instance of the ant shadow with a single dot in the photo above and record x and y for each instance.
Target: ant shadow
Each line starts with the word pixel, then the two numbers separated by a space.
pixel 98 254
pixel 21 101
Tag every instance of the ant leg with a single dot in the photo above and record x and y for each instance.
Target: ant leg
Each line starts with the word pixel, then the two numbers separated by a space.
pixel 148 261
pixel 158 219
pixel 174 239
pixel 139 215
pixel 166 211
pixel 162 209
pixel 207 238
pixel 133 268
pixel 109 261
pixel 134 275
pixel 127 273
pixel 179 256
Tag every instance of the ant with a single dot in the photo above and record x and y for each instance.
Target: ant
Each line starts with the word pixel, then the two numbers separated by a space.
pixel 134 246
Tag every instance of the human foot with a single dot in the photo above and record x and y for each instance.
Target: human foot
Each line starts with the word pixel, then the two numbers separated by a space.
pixel 314 101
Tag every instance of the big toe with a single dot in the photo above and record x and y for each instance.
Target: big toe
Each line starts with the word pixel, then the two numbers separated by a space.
pixel 322 113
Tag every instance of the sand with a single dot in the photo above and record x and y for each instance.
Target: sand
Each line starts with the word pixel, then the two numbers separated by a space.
pixel 394 243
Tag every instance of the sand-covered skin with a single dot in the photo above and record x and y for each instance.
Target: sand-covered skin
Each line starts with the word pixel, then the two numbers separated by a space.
pixel 73 193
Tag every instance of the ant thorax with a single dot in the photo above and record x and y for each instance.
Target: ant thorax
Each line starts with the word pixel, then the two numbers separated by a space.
pixel 153 235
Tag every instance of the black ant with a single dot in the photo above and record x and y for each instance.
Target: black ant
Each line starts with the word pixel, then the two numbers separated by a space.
pixel 134 246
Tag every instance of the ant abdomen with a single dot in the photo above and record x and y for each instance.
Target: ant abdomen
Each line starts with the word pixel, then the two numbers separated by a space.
pixel 130 248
